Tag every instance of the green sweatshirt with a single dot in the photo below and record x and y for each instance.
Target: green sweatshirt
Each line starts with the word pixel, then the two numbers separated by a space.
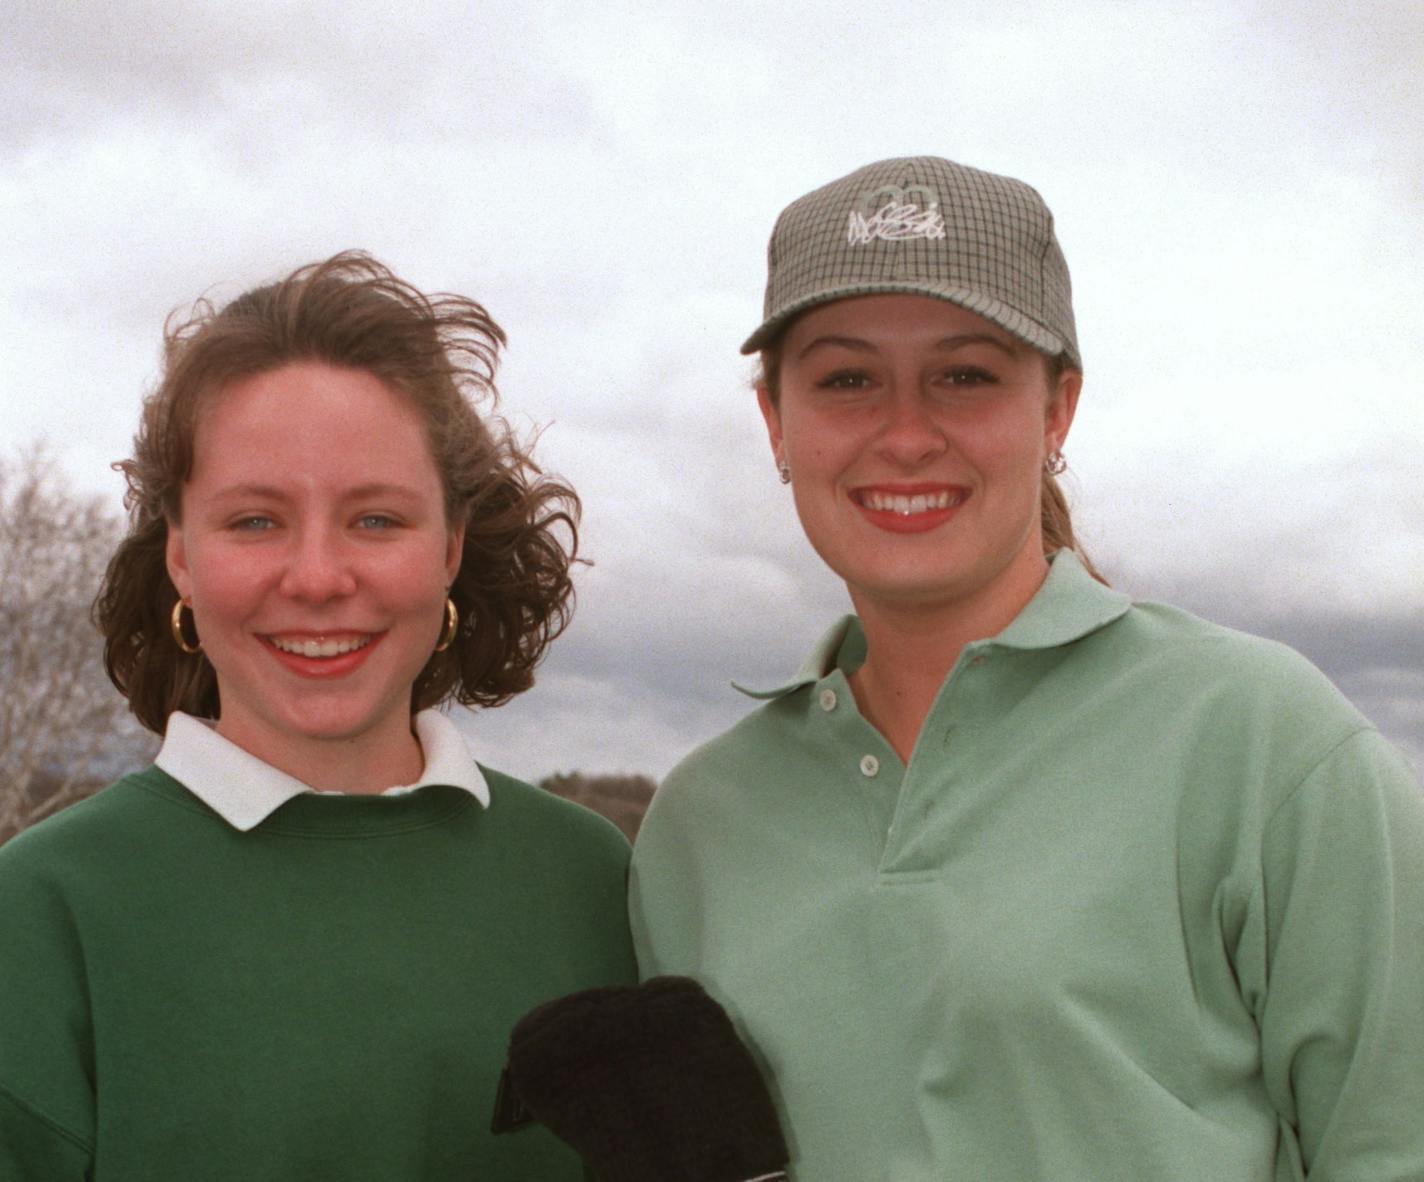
pixel 326 997
pixel 1146 905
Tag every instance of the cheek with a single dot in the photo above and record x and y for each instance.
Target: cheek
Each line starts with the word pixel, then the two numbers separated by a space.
pixel 819 444
pixel 223 588
pixel 413 577
pixel 1016 440
pixel 211 566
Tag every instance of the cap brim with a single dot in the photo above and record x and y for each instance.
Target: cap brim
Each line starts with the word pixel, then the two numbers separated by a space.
pixel 995 311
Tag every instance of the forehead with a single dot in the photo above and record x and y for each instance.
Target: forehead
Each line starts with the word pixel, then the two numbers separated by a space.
pixel 885 317
pixel 310 421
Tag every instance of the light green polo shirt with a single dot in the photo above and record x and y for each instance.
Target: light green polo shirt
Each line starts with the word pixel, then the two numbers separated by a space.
pixel 1146 904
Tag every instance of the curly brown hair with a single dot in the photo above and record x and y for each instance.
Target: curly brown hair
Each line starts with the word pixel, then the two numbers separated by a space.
pixel 512 591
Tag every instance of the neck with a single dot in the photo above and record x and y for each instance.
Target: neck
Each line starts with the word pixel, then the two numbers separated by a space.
pixel 365 766
pixel 910 650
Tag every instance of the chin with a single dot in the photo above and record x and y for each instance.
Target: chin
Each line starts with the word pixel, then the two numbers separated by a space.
pixel 336 722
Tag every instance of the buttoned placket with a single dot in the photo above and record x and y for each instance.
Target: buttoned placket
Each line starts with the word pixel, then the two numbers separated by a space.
pixel 865 759
pixel 899 800
pixel 935 763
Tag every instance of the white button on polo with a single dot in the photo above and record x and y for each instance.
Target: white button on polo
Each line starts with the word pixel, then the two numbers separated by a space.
pixel 828 700
pixel 869 765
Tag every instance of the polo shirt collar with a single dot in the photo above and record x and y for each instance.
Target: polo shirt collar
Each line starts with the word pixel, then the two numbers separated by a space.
pixel 245 791
pixel 1070 605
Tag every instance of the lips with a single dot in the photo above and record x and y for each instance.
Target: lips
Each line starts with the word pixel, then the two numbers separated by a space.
pixel 909 508
pixel 907 504
pixel 323 645
pixel 321 655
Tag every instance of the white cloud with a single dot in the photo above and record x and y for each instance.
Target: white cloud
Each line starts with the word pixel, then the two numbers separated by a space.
pixel 1238 189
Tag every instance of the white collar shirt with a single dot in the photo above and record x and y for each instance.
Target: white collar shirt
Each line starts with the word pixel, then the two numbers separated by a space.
pixel 244 790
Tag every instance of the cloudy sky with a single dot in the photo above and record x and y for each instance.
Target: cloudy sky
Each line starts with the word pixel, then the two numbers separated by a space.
pixel 1239 189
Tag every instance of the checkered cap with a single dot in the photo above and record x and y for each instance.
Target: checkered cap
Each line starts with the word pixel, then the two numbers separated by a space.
pixel 924 226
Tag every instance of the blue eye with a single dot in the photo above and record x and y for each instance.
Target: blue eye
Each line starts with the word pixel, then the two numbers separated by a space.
pixel 376 521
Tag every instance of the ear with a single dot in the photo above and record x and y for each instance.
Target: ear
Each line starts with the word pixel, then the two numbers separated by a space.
pixel 175 556
pixel 454 552
pixel 772 417
pixel 1062 406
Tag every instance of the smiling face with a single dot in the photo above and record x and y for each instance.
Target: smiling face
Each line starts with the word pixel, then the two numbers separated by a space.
pixel 315 551
pixel 916 433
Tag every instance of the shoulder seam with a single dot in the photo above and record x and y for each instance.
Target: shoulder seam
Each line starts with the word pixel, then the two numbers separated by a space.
pixel 1364 728
pixel 49 1122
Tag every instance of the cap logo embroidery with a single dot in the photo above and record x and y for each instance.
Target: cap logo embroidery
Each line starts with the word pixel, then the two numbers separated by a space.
pixel 897 217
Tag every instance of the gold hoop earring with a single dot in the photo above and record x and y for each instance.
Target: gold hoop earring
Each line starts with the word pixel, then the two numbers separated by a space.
pixel 175 625
pixel 452 624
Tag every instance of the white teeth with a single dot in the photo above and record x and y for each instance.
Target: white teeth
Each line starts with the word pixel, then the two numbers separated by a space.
pixel 907 505
pixel 321 648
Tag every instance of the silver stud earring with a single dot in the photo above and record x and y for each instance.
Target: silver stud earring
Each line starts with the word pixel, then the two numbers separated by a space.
pixel 1055 464
pixel 783 469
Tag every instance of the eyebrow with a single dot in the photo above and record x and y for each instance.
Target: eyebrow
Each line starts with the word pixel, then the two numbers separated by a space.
pixel 271 492
pixel 366 491
pixel 859 345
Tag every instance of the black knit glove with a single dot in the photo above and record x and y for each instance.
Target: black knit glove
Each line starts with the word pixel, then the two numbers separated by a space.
pixel 649 1083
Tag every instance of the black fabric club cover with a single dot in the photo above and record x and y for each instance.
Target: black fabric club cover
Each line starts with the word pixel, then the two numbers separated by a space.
pixel 648 1083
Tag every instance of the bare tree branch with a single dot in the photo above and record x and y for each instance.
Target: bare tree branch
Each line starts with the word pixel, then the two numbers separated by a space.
pixel 64 730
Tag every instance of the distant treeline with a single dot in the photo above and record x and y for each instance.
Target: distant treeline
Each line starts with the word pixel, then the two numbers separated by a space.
pixel 622 799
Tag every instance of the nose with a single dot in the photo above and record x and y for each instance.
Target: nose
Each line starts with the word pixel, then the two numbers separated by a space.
pixel 318 567
pixel 910 435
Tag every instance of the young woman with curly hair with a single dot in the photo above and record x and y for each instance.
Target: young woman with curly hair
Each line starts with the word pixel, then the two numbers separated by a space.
pixel 294 947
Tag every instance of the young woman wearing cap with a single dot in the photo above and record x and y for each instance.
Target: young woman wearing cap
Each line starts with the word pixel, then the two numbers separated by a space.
pixel 1018 878
pixel 294 948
